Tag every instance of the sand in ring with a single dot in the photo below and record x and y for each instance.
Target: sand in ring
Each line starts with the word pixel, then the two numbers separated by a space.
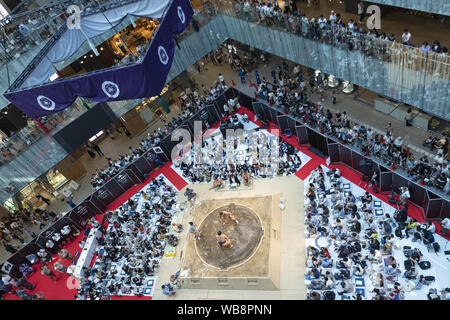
pixel 245 236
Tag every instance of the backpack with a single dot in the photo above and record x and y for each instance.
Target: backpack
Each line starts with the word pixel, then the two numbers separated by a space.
pixel 433 295
pixel 436 247
pixel 329 295
pixel 406 251
pixel 398 233
pixel 429 278
pixel 425 265
pixel 408 264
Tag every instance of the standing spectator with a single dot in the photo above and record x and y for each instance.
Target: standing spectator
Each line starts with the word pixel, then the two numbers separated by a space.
pixel 409 117
pixel 194 230
pixel 445 224
pixel 221 79
pixel 71 203
pixel 406 37
pixel 361 12
pixel 98 150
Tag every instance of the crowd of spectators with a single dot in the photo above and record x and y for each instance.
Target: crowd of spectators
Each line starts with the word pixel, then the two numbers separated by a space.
pixel 291 94
pixel 331 30
pixel 361 245
pixel 17 228
pixel 133 244
pixel 20 286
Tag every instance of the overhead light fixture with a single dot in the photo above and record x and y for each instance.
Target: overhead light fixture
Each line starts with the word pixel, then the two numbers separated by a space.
pixel 85 57
pixel 82 62
pixel 91 55
pixel 101 48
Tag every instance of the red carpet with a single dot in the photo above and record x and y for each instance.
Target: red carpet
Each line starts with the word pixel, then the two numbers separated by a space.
pixel 174 178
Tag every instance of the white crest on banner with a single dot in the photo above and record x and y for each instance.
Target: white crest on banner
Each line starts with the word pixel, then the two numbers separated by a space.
pixel 163 56
pixel 181 15
pixel 46 103
pixel 111 89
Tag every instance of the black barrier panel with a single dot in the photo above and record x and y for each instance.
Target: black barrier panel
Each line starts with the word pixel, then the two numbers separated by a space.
pixel 17 259
pixel 426 200
pixel 356 158
pixel 208 116
pixel 44 237
pixel 124 180
pixel 105 196
pixel 191 124
pixel 246 101
pixel 220 101
pixel 134 174
pixel 146 163
pixel 346 155
pixel 58 225
pixel 283 123
pixel 11 269
pixel 385 181
pixel 291 125
pixel 86 209
pixel 97 202
pixel 161 154
pixel 167 145
pixel 31 248
pixel 302 134
pixel 445 213
pixel 213 114
pixel 397 182
pixel 79 221
pixel 434 209
pixel 231 93
pixel 266 115
pixel 274 115
pixel 333 151
pixel 258 109
pixel 319 142
pixel 417 193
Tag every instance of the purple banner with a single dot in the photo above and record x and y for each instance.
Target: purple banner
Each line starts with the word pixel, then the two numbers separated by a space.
pixel 129 82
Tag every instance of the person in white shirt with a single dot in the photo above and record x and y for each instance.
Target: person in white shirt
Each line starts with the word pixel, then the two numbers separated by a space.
pixel 226 110
pixel 351 25
pixel 333 17
pixel 431 227
pixel 221 78
pixel 322 22
pixel 445 224
pixel 398 142
pixel 404 194
pixel 406 36
pixel 49 244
